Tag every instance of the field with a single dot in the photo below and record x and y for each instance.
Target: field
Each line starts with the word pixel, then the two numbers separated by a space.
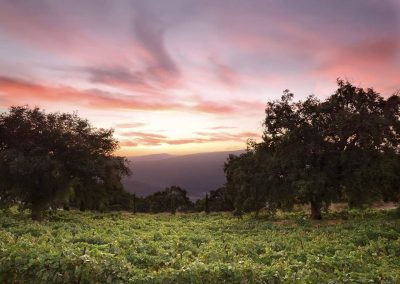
pixel 83 247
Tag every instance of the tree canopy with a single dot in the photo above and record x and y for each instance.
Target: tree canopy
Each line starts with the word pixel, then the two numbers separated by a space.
pixel 169 200
pixel 48 158
pixel 344 148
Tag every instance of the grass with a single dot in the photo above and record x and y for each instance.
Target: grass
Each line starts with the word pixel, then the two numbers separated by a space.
pixel 76 247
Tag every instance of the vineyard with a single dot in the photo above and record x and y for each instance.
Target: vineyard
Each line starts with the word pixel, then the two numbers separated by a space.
pixel 82 247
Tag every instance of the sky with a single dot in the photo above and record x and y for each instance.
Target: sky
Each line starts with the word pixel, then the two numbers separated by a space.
pixel 188 76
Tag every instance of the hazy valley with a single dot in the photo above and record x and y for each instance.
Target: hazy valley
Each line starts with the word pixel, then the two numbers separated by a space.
pixel 197 173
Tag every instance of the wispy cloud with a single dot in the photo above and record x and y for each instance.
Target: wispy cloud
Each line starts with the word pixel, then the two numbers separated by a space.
pixel 128 143
pixel 222 127
pixel 144 138
pixel 130 125
pixel 149 31
pixel 15 91
pixel 119 77
pixel 362 62
pixel 226 74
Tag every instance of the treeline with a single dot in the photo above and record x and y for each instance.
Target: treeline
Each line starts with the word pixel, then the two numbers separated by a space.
pixel 174 199
pixel 345 148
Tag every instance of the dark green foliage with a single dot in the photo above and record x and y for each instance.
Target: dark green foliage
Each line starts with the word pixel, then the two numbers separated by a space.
pixel 219 200
pixel 46 159
pixel 215 201
pixel 170 200
pixel 345 148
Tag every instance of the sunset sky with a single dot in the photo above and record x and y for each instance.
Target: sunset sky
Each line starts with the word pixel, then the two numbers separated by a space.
pixel 187 76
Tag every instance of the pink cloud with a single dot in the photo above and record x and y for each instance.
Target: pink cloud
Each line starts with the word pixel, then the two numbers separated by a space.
pixel 153 139
pixel 74 33
pixel 130 125
pixel 222 127
pixel 226 74
pixel 213 107
pixel 144 135
pixel 374 62
pixel 128 143
pixel 17 91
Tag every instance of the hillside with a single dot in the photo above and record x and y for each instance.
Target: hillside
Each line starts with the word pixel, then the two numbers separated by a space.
pixel 197 173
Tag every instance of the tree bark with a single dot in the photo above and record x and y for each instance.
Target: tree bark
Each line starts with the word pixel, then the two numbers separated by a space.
pixel 316 210
pixel 37 212
pixel 82 206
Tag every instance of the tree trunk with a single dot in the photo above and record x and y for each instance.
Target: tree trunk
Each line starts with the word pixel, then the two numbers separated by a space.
pixel 82 206
pixel 173 205
pixel 37 212
pixel 134 205
pixel 316 210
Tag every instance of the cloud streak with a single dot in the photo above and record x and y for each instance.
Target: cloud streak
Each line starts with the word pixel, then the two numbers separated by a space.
pixel 133 139
pixel 363 61
pixel 15 91
pixel 149 31
pixel 130 125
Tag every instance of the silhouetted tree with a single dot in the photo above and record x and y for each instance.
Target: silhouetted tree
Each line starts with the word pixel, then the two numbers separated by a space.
pixel 364 131
pixel 47 157
pixel 245 183
pixel 344 148
pixel 219 200
pixel 169 200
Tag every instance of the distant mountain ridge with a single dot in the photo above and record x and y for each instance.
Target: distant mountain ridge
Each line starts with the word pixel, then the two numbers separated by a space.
pixel 197 173
pixel 152 157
